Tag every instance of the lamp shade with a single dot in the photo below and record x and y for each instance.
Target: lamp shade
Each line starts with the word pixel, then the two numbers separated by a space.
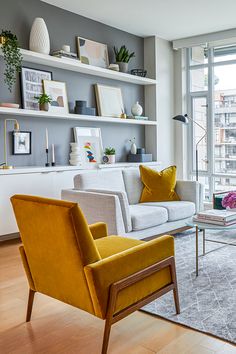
pixel 183 119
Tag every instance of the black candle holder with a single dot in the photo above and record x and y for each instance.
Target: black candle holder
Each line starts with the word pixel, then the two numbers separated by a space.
pixel 47 163
pixel 53 164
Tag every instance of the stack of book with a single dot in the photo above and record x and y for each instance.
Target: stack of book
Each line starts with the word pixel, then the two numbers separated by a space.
pixel 63 54
pixel 216 217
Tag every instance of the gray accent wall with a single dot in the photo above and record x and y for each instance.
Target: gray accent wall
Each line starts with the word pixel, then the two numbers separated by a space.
pixel 63 27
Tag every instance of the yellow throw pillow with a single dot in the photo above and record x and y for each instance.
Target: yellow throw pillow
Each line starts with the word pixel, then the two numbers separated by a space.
pixel 158 186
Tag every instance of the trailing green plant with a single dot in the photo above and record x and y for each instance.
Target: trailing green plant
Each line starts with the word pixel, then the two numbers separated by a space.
pixel 12 57
pixel 123 55
pixel 43 98
pixel 110 151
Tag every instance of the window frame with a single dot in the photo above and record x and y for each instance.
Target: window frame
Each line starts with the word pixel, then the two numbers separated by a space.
pixel 209 95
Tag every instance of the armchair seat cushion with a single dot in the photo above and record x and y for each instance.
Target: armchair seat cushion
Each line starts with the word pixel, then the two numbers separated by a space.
pixel 143 217
pixel 108 246
pixel 176 210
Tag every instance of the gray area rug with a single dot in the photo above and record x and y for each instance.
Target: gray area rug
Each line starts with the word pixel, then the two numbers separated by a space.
pixel 208 302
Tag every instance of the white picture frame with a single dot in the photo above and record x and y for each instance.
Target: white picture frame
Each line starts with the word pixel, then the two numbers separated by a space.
pixel 57 91
pixel 89 142
pixel 32 86
pixel 109 101
pixel 92 53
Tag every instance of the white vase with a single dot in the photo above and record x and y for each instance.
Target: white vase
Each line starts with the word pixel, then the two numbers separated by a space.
pixel 137 109
pixel 111 159
pixel 133 149
pixel 39 37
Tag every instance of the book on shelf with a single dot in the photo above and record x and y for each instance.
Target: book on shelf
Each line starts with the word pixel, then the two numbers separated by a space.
pixel 217 215
pixel 63 53
pixel 214 222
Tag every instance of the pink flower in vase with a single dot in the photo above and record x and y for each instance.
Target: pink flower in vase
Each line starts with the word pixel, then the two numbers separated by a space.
pixel 229 201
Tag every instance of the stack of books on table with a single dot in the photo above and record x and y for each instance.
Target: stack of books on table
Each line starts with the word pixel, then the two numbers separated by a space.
pixel 216 217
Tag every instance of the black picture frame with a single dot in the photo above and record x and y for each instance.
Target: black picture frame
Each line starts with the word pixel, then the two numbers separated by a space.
pixel 28 93
pixel 15 144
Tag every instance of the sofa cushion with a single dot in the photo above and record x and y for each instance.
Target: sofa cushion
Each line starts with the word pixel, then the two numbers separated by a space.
pixel 177 210
pixel 110 180
pixel 158 186
pixel 144 217
pixel 133 184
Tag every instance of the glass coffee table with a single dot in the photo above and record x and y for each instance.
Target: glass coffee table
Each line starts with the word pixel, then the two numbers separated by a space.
pixel 202 227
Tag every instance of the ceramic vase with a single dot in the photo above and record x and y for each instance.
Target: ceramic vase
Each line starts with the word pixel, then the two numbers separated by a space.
pixel 123 66
pixel 44 107
pixel 111 159
pixel 137 109
pixel 133 149
pixel 39 37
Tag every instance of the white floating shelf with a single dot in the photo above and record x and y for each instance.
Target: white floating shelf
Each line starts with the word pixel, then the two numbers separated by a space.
pixel 75 117
pixel 59 168
pixel 76 66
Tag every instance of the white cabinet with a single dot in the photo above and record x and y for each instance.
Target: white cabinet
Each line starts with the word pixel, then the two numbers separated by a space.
pixel 44 184
pixel 62 180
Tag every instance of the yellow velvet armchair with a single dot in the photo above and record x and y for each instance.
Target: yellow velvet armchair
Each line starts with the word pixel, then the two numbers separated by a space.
pixel 79 264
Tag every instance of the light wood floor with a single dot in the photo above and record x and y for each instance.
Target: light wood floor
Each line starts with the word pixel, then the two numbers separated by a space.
pixel 59 328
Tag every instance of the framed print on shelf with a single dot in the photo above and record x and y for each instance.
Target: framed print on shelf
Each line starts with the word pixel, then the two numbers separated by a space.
pixel 57 91
pixel 21 143
pixel 89 142
pixel 109 101
pixel 92 53
pixel 32 85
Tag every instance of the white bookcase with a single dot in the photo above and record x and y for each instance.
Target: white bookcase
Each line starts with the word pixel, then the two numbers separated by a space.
pixel 49 181
pixel 150 87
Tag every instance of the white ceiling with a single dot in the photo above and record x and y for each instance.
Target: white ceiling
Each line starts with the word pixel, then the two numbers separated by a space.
pixel 168 19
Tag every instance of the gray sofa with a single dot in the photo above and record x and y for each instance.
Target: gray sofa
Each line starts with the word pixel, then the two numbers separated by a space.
pixel 113 197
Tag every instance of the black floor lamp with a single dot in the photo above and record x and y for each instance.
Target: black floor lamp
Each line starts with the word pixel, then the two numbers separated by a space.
pixel 185 120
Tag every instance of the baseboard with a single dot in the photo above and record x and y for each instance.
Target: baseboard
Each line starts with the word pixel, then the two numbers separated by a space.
pixel 9 236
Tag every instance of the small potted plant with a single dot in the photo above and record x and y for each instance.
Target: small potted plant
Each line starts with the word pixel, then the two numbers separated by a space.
pixel 123 57
pixel 12 57
pixel 111 155
pixel 44 100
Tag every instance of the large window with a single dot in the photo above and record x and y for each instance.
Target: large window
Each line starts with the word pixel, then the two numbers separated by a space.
pixel 212 103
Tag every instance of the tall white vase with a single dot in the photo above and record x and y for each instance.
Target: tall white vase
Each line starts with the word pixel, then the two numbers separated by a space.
pixel 39 37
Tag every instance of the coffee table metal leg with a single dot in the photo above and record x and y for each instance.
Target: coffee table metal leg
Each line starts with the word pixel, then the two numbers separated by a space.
pixel 197 251
pixel 204 241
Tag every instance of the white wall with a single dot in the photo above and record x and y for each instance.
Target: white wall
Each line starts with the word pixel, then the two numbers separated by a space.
pixel 165 102
pixel 180 145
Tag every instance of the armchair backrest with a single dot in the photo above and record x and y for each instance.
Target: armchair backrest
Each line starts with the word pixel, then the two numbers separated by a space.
pixel 57 244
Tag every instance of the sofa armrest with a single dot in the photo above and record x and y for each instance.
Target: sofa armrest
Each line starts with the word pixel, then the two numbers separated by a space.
pixel 102 274
pixel 124 204
pixel 98 230
pixel 191 191
pixel 98 207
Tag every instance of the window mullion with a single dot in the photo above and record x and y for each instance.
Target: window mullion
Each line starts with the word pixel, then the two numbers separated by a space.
pixel 210 125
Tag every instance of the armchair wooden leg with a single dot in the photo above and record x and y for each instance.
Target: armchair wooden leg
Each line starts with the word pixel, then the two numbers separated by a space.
pixel 106 336
pixel 30 304
pixel 175 290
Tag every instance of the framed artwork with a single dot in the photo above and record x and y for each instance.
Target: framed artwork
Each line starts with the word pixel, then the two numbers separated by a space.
pixel 109 101
pixel 32 85
pixel 21 143
pixel 57 91
pixel 89 142
pixel 92 53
